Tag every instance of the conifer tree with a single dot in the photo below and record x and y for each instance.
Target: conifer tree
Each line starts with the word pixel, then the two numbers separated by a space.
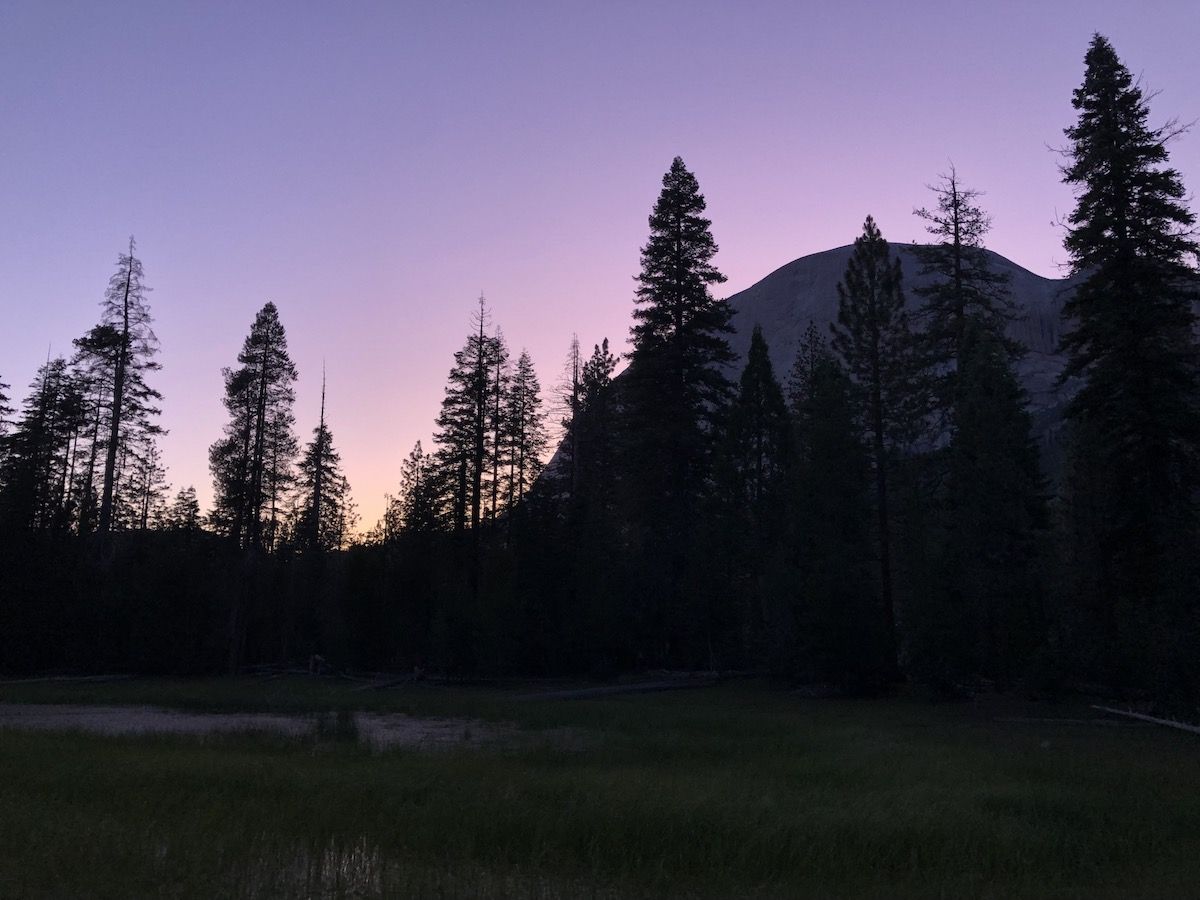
pixel 759 426
pixel 964 287
pixel 981 612
pixel 676 385
pixel 418 497
pixel 36 464
pixel 282 449
pixel 499 438
pixel 184 511
pixel 127 333
pixel 596 555
pixel 830 630
pixel 1131 340
pixel 674 396
pixel 812 350
pixel 144 497
pixel 1000 505
pixel 95 389
pixel 348 519
pixel 745 519
pixel 986 508
pixel 251 464
pixel 588 473
pixel 595 422
pixel 467 426
pixel 873 340
pixel 526 430
pixel 323 491
pixel 568 403
pixel 596 380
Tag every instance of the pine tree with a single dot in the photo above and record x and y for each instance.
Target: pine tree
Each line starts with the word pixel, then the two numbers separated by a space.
pixel 674 396
pixel 568 395
pixel 348 518
pixel 36 466
pixel 467 426
pixel 595 554
pixel 591 435
pixel 595 422
pixel 184 511
pixel 759 427
pixel 126 324
pixel 526 430
pixel 418 498
pixel 964 287
pixel 986 506
pixel 810 353
pixel 873 339
pixel 95 365
pixel 1131 339
pixel 323 491
pixel 981 612
pixel 282 448
pixel 596 380
pixel 1000 505
pixel 144 496
pixel 676 386
pixel 829 630
pixel 744 520
pixel 95 389
pixel 252 463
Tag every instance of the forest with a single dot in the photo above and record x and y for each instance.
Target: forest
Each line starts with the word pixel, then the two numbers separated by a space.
pixel 881 512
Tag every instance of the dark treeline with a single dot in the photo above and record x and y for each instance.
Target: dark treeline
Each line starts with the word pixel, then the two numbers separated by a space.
pixel 878 512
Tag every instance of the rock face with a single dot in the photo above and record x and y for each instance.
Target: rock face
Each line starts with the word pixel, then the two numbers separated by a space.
pixel 805 290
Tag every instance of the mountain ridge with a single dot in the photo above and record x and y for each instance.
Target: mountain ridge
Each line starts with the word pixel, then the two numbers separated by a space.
pixel 805 289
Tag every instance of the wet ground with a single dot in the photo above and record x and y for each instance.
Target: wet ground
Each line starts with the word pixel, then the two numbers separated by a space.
pixel 379 730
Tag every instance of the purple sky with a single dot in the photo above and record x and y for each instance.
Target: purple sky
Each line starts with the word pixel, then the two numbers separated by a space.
pixel 371 167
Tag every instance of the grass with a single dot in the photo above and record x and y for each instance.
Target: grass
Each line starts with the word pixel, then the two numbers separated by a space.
pixel 719 792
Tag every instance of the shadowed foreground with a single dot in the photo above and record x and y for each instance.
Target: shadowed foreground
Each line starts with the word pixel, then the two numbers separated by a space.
pixel 715 792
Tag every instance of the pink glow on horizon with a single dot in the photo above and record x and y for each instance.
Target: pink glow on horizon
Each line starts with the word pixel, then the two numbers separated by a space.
pixel 371 167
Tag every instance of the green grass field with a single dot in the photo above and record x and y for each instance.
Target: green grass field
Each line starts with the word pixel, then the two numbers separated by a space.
pixel 717 792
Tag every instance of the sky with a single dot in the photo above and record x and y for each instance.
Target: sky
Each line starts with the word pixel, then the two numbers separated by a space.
pixel 371 168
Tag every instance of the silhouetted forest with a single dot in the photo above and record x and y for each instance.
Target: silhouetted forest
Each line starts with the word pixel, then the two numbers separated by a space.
pixel 879 512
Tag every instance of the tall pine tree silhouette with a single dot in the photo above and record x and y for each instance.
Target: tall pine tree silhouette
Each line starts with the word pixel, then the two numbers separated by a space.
pixel 252 464
pixel 1130 339
pixel 323 490
pixel 37 451
pixel 758 429
pixel 675 395
pixel 467 425
pixel 963 286
pixel 873 339
pixel 126 317
pixel 987 501
pixel 525 428
pixel 829 629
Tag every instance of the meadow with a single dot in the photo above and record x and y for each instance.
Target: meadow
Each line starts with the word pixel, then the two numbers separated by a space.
pixel 735 790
